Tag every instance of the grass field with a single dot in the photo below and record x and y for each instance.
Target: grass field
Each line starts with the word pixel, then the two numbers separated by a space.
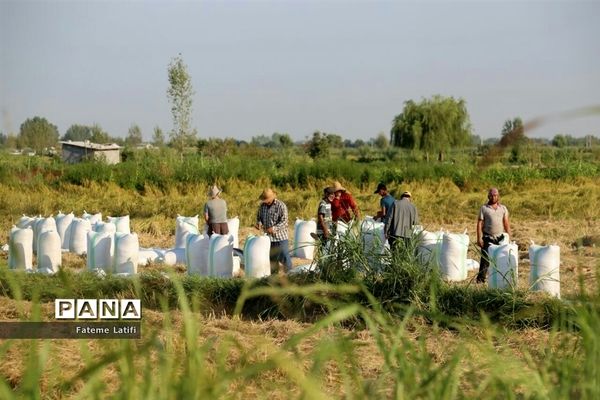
pixel 426 339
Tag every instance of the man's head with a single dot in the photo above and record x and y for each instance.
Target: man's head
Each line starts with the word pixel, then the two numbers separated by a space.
pixel 214 192
pixel 405 195
pixel 381 189
pixel 267 196
pixel 338 189
pixel 329 193
pixel 493 196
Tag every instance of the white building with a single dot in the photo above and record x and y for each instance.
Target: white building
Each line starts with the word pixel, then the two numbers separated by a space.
pixel 74 152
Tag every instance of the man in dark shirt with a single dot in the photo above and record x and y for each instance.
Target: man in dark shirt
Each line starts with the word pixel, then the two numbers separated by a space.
pixel 403 216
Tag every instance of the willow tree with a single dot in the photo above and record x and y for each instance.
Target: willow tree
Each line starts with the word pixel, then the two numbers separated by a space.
pixel 433 126
pixel 180 95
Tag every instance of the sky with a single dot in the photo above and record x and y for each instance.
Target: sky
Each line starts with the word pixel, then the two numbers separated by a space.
pixel 259 67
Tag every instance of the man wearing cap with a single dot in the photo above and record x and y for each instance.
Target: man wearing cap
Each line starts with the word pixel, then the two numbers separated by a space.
pixel 343 204
pixel 492 224
pixel 399 225
pixel 324 218
pixel 215 213
pixel 386 202
pixel 272 217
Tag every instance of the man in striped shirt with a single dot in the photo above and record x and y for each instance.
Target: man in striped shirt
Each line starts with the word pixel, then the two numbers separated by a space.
pixel 272 218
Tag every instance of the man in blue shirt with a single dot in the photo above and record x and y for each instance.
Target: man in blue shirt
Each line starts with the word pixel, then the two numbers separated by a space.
pixel 386 202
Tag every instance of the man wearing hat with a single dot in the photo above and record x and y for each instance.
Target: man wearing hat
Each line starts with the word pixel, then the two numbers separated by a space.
pixel 386 202
pixel 399 225
pixel 343 204
pixel 272 218
pixel 215 213
pixel 492 224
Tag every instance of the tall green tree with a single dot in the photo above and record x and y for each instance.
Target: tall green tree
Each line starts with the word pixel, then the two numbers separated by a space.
pixel 38 134
pixel 99 135
pixel 180 94
pixel 381 141
pixel 78 133
pixel 433 125
pixel 158 137
pixel 318 146
pixel 134 135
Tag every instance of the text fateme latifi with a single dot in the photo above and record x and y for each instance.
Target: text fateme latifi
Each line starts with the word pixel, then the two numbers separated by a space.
pixel 93 330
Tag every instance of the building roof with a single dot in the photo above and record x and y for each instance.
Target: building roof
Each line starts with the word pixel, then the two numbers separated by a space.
pixel 92 146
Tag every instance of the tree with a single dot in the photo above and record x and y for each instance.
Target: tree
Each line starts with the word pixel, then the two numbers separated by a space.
pixel 134 135
pixel 158 137
pixel 38 134
pixel 281 140
pixel 334 140
pixel 318 146
pixel 381 141
pixel 513 133
pixel 99 136
pixel 434 125
pixel 78 133
pixel 180 93
pixel 559 141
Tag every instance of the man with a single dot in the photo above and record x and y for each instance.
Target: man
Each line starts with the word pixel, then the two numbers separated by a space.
pixel 324 219
pixel 492 224
pixel 343 204
pixel 386 202
pixel 272 217
pixel 399 226
pixel 215 213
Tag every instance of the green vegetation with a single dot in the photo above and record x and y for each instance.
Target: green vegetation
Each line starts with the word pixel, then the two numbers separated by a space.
pixel 363 326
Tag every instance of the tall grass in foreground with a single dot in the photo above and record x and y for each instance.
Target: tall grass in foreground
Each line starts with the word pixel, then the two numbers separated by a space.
pixel 181 360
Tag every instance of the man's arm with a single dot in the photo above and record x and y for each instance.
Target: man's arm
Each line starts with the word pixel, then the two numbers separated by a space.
pixel 282 220
pixel 506 224
pixel 390 221
pixel 480 232
pixel 206 213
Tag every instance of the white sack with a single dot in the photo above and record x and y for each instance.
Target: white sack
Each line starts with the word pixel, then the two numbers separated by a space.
pixel 93 218
pixel 234 230
pixel 174 256
pixel 104 227
pixel 504 266
pixel 196 254
pixel 183 227
pixel 100 250
pixel 63 227
pixel 220 255
pixel 121 223
pixel 79 229
pixel 20 248
pixel 127 248
pixel 453 256
pixel 304 244
pixel 256 256
pixel 545 269
pixel 49 255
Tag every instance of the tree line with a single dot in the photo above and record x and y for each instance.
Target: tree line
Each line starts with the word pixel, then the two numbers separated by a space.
pixel 433 126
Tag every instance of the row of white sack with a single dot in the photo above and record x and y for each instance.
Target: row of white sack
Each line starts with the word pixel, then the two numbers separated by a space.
pixel 448 252
pixel 72 230
pixel 122 247
pixel 120 253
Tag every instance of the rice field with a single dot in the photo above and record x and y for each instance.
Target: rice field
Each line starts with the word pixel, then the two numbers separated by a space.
pixel 316 339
